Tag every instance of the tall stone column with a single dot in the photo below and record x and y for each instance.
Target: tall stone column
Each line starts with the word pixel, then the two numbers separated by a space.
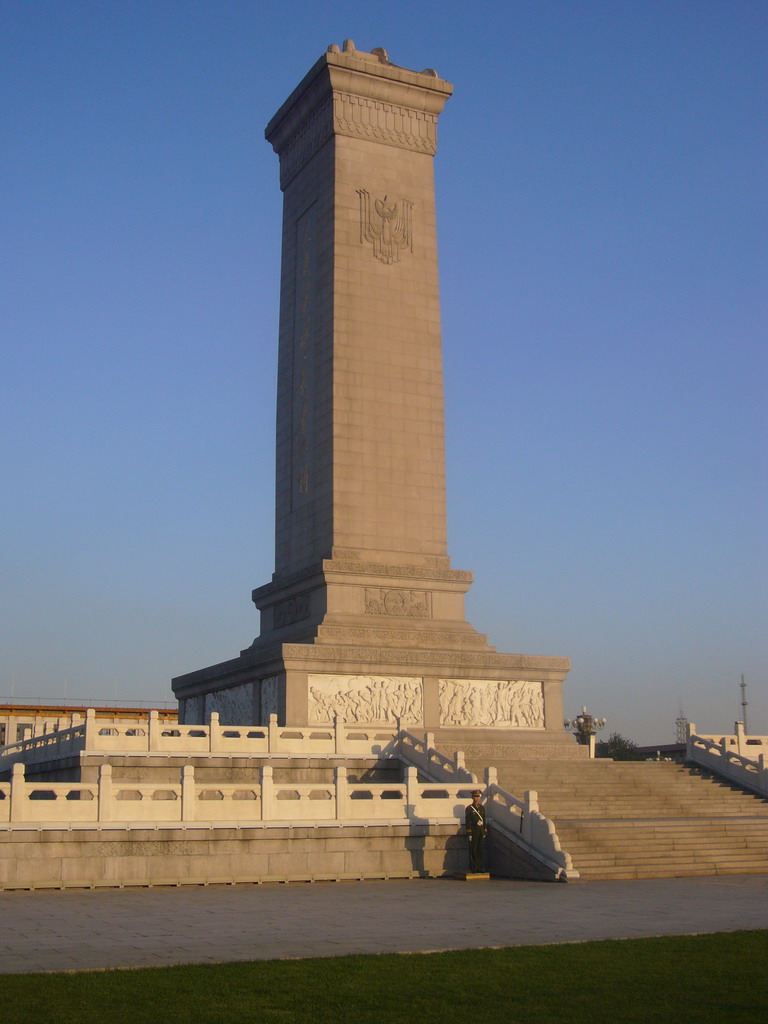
pixel 364 616
pixel 360 436
pixel 360 498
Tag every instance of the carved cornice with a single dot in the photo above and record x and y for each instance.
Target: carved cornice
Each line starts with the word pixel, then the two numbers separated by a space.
pixel 431 638
pixel 308 139
pixel 424 572
pixel 307 579
pixel 359 96
pixel 357 117
pixel 394 125
pixel 384 655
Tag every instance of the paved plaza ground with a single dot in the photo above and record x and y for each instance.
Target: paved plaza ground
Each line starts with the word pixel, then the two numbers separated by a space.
pixel 85 930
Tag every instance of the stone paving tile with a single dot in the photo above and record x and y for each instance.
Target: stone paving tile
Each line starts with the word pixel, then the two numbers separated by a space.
pixel 145 927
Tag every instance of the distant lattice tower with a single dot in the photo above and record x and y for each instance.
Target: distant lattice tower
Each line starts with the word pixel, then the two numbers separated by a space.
pixel 681 727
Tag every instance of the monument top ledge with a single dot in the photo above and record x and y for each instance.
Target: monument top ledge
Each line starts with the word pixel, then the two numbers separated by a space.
pixel 371 75
pixel 377 60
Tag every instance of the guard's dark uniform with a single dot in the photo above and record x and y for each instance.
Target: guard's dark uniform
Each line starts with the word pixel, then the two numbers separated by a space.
pixel 474 820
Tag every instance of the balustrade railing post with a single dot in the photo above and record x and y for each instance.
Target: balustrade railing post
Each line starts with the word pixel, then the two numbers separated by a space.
pixel 338 738
pixel 214 732
pixel 18 792
pixel 273 734
pixel 458 760
pixel 342 793
pixel 105 793
pixel 491 777
pixel 412 791
pixel 741 739
pixel 531 801
pixel 90 728
pixel 690 732
pixel 429 746
pixel 153 730
pixel 188 802
pixel 267 797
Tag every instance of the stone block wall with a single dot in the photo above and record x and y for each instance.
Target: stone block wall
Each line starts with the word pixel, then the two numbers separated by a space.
pixel 54 858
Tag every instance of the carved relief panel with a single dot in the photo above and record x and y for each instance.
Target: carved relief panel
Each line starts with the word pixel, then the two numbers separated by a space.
pixel 292 610
pixel 365 698
pixel 270 690
pixel 387 224
pixel 504 703
pixel 191 710
pixel 415 604
pixel 234 705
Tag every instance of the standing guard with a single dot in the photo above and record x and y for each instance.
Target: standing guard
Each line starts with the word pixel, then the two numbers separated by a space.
pixel 477 830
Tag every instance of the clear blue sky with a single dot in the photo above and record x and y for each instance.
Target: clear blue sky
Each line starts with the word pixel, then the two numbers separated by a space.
pixel 601 179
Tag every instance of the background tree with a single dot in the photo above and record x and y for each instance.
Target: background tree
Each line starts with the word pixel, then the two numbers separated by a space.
pixel 619 748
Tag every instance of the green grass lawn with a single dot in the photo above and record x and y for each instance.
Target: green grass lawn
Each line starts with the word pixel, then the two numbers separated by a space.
pixel 699 979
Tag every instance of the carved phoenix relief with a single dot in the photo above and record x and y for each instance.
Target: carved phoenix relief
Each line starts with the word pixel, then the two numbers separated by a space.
pixel 387 224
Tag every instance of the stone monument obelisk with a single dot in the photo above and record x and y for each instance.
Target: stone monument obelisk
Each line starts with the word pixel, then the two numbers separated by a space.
pixel 364 616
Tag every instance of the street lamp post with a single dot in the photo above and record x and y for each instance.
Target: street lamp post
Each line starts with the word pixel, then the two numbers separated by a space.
pixel 584 727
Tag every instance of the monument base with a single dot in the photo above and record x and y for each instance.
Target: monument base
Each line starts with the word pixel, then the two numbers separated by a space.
pixel 485 701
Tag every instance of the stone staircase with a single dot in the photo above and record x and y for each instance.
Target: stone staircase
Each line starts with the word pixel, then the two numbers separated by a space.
pixel 645 819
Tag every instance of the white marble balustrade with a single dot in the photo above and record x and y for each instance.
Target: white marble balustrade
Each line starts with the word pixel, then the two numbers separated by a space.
pixel 93 736
pixel 738 757
pixel 110 800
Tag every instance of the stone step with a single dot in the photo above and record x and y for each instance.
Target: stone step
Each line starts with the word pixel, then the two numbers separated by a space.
pixel 682 785
pixel 645 799
pixel 608 812
pixel 700 795
pixel 660 814
pixel 590 839
pixel 647 779
pixel 680 845
pixel 622 872
pixel 648 809
pixel 664 824
pixel 639 834
pixel 645 819
pixel 647 862
pixel 648 784
pixel 626 799
pixel 653 855
pixel 640 850
pixel 645 813
pixel 700 785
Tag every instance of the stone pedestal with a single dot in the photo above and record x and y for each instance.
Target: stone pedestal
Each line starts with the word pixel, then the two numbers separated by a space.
pixel 364 616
